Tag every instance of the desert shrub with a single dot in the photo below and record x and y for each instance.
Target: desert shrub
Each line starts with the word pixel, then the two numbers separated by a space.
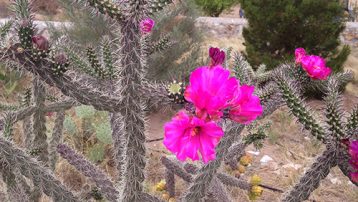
pixel 276 28
pixel 215 7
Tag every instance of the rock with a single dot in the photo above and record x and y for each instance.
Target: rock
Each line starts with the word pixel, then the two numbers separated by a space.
pixel 265 159
pixel 335 181
pixel 254 153
pixel 292 165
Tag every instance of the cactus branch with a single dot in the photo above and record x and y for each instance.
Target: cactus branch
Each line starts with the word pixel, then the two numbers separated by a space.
pixel 312 177
pixel 56 138
pixel 334 113
pixel 298 108
pixel 31 169
pixel 86 168
pixel 202 181
pixel 39 121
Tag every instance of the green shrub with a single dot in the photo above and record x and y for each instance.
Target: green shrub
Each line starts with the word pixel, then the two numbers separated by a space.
pixel 276 28
pixel 215 7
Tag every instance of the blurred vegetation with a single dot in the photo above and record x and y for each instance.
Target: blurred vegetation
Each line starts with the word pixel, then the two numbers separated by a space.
pixel 277 28
pixel 214 8
pixel 177 21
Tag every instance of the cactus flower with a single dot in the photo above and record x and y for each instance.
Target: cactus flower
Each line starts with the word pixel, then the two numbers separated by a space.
pixel 353 151
pixel 299 54
pixel 245 107
pixel 316 67
pixel 147 25
pixel 217 56
pixel 209 90
pixel 40 42
pixel 187 136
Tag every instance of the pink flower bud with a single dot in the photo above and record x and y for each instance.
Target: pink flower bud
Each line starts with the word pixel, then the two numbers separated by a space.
pixel 147 25
pixel 40 42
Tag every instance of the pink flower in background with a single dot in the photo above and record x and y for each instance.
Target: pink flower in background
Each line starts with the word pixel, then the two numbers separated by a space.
pixel 186 136
pixel 147 25
pixel 217 56
pixel 209 90
pixel 245 107
pixel 315 66
pixel 40 42
pixel 299 54
pixel 353 151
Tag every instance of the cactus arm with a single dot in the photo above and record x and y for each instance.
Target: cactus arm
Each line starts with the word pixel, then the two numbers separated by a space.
pixel 86 168
pixel 32 169
pixel 56 138
pixel 334 112
pixel 312 177
pixel 202 181
pixel 39 121
pixel 298 107
pixel 176 168
pixel 170 182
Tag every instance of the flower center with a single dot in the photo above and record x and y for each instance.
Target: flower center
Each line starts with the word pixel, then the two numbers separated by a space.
pixel 195 131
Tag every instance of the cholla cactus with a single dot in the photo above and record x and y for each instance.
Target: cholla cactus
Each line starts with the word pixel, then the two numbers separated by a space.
pixel 112 78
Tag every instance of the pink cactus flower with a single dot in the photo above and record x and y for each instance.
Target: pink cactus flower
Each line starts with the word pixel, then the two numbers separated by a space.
pixel 217 56
pixel 187 136
pixel 245 107
pixel 40 42
pixel 209 90
pixel 315 66
pixel 299 54
pixel 147 25
pixel 353 151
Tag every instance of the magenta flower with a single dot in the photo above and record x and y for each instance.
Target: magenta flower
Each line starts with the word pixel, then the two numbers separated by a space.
pixel 210 90
pixel 147 25
pixel 245 107
pixel 217 56
pixel 299 54
pixel 353 151
pixel 186 136
pixel 315 66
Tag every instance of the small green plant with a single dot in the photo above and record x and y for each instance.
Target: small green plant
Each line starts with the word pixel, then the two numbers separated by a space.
pixel 215 7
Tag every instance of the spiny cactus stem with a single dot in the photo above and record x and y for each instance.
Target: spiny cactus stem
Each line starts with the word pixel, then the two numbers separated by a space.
pixel 170 182
pixel 334 112
pixel 312 177
pixel 34 171
pixel 86 168
pixel 39 121
pixel 202 181
pixel 298 109
pixel 56 138
pixel 176 168
pixel 132 63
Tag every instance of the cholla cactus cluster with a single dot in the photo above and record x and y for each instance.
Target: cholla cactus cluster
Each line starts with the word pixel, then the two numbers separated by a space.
pixel 112 79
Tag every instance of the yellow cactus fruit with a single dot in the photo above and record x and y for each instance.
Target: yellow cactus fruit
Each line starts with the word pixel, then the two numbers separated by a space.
pixel 166 196
pixel 160 186
pixel 252 197
pixel 172 199
pixel 245 160
pixel 256 190
pixel 241 169
pixel 255 180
